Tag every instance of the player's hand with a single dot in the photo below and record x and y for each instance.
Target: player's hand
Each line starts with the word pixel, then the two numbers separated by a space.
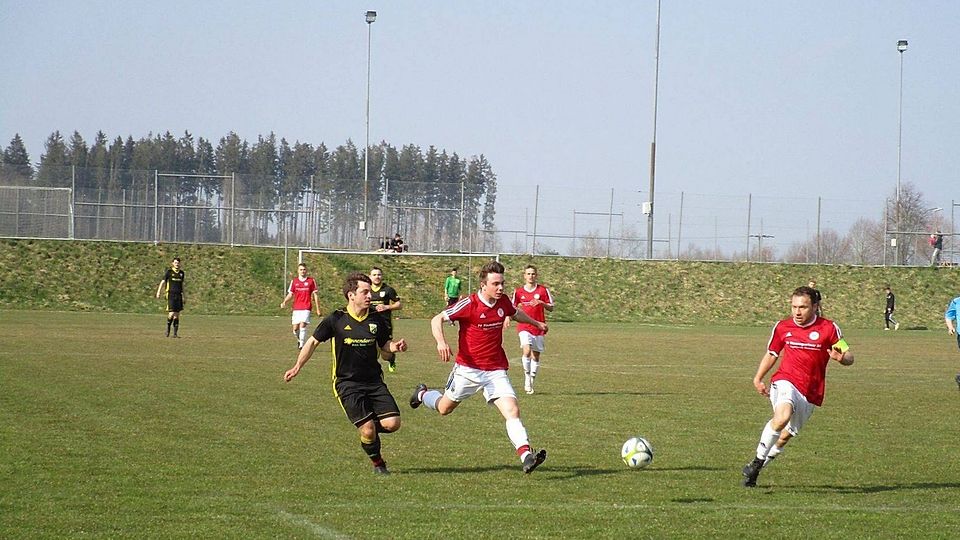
pixel 835 354
pixel 281 305
pixel 399 346
pixel 761 388
pixel 951 330
pixel 543 326
pixel 381 307
pixel 290 374
pixel 443 350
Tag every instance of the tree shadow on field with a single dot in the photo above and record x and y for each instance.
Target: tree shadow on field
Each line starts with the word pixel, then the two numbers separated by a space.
pixel 876 488
pixel 448 470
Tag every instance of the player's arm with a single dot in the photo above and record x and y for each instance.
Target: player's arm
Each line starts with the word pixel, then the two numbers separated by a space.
pixel 766 363
pixel 443 348
pixel 305 353
pixel 286 299
pixel 949 316
pixel 841 352
pixel 521 316
pixel 316 300
pixel 160 286
pixel 391 348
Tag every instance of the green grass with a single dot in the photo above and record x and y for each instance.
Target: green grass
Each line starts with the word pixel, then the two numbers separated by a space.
pixel 107 429
pixel 116 277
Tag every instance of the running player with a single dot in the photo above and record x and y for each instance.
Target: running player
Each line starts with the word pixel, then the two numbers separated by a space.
pixel 359 336
pixel 481 363
pixel 807 343
pixel 533 299
pixel 303 290
pixel 172 287
pixel 384 300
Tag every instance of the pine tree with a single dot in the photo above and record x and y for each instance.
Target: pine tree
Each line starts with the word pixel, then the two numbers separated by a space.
pixel 16 161
pixel 53 162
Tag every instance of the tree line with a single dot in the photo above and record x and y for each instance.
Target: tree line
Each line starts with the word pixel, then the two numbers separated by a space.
pixel 405 184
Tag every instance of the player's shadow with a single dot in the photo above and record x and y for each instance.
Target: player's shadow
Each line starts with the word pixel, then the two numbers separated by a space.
pixel 468 470
pixel 609 393
pixel 876 488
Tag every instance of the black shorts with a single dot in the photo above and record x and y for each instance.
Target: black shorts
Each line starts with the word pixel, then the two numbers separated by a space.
pixel 365 401
pixel 174 302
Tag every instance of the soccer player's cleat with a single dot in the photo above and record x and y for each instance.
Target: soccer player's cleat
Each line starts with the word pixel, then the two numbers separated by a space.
pixel 896 326
pixel 168 332
pixel 415 400
pixel 751 471
pixel 392 366
pixel 527 384
pixel 958 379
pixel 887 328
pixel 532 461
pixel 381 470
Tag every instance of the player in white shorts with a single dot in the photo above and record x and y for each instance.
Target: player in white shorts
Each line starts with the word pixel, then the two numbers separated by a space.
pixel 804 344
pixel 303 291
pixel 534 299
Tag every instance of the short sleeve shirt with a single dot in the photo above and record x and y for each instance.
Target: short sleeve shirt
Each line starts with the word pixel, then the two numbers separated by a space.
pixel 356 344
pixel 480 343
pixel 522 298
pixel 302 292
pixel 385 295
pixel 804 354
pixel 174 279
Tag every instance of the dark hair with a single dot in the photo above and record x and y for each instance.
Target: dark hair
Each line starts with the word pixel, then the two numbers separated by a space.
pixel 372 268
pixel 177 259
pixel 351 283
pixel 454 269
pixel 809 292
pixel 302 264
pixel 529 266
pixel 492 267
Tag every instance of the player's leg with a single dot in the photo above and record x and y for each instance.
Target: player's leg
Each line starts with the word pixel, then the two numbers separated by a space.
pixel 360 411
pixel 781 399
pixel 176 323
pixel 525 359
pixel 460 386
pixel 886 320
pixel 169 322
pixel 536 348
pixel 498 390
pixel 392 363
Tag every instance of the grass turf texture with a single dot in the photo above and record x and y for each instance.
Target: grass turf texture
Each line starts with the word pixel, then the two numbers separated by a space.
pixel 108 429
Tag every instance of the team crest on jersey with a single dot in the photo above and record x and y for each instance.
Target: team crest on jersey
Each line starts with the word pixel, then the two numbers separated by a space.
pixel 814 335
pixel 536 296
pixel 500 312
pixel 383 293
pixel 373 328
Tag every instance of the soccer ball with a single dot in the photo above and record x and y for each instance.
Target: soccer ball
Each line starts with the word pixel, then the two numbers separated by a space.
pixel 637 453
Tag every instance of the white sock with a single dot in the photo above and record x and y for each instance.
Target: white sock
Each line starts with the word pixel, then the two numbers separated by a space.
pixel 526 364
pixel 767 441
pixel 517 433
pixel 774 452
pixel 534 366
pixel 430 398
pixel 302 336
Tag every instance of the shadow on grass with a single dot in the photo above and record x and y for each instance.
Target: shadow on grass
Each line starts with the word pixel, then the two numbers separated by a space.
pixel 878 488
pixel 624 393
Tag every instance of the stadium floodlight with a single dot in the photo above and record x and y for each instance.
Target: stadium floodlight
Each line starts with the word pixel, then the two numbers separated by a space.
pixel 370 18
pixel 901 46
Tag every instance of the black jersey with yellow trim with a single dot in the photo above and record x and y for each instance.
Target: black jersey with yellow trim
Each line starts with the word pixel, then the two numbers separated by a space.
pixel 385 295
pixel 356 344
pixel 174 279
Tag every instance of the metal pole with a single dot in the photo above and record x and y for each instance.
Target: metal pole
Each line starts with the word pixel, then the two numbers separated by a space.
pixel 653 144
pixel 462 196
pixel 366 148
pixel 574 232
pixel 819 203
pixel 749 208
pixel 156 207
pixel 73 201
pixel 899 141
pixel 233 204
pixel 536 205
pixel 679 225
pixel 886 208
pixel 610 223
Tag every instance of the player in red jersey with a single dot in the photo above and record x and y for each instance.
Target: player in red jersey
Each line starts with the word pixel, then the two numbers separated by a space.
pixel 533 299
pixel 481 363
pixel 303 290
pixel 805 344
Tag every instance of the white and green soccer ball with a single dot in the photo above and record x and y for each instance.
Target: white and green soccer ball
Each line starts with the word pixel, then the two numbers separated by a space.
pixel 637 453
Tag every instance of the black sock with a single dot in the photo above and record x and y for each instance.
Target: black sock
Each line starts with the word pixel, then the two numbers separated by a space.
pixel 169 322
pixel 372 450
pixel 176 326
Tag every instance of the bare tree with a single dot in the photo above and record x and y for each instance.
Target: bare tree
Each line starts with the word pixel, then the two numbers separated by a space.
pixel 865 241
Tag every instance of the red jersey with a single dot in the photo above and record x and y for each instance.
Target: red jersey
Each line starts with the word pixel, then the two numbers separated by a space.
pixel 805 355
pixel 522 299
pixel 302 292
pixel 481 331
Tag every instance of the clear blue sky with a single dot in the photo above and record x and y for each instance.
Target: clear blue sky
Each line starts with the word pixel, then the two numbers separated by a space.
pixel 784 101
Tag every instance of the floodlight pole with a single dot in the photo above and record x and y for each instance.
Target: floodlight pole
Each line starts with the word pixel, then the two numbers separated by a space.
pixel 901 46
pixel 653 144
pixel 370 17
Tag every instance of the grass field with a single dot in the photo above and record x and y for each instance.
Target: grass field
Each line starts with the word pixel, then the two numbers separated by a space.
pixel 107 429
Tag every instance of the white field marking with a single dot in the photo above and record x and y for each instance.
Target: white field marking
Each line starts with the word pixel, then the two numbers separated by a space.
pixel 671 506
pixel 318 530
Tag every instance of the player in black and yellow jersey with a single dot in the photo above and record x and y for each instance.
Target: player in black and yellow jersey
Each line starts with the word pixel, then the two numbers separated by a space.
pixel 384 300
pixel 359 336
pixel 172 286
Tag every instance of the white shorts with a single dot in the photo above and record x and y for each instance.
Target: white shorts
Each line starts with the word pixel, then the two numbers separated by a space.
pixel 300 316
pixel 784 392
pixel 535 342
pixel 465 382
